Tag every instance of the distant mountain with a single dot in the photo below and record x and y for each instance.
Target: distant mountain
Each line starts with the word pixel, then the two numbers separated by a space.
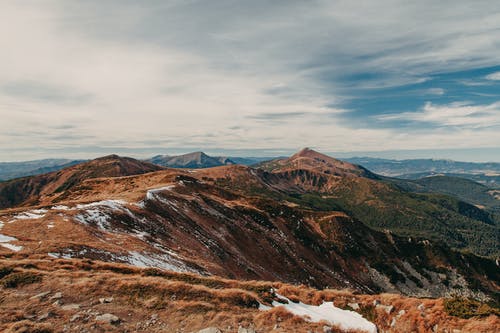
pixel 50 186
pixel 467 190
pixel 194 160
pixel 249 160
pixel 485 173
pixel 11 170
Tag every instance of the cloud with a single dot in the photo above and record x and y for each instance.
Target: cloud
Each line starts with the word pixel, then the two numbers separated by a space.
pixel 43 92
pixel 435 91
pixel 458 114
pixel 493 76
pixel 277 116
pixel 204 74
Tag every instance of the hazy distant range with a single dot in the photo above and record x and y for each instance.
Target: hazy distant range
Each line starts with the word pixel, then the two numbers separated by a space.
pixel 485 173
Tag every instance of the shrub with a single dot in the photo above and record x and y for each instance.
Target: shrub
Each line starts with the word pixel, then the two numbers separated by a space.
pixel 368 312
pixel 25 326
pixel 467 308
pixel 4 271
pixel 18 279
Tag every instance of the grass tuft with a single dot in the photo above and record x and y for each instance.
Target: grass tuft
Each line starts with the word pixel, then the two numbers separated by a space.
pixel 15 280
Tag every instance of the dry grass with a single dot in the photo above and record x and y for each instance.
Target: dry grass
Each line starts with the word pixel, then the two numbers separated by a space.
pixel 191 302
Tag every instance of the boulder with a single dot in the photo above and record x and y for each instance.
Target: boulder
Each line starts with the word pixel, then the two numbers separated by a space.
pixel 210 330
pixel 108 318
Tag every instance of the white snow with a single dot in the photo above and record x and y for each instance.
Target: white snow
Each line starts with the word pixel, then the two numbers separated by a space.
pixel 30 215
pixel 5 238
pixel 140 259
pixel 12 247
pixel 4 241
pixel 60 207
pixel 95 212
pixel 152 195
pixel 344 319
pixel 113 204
pixel 152 260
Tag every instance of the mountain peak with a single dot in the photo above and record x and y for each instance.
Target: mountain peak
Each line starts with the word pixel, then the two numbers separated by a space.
pixel 311 160
pixel 109 157
pixel 196 159
pixel 308 152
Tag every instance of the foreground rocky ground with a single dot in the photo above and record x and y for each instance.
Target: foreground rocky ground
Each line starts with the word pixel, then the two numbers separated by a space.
pixel 42 294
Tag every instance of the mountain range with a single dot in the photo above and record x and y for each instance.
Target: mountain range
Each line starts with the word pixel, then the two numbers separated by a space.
pixel 484 173
pixel 305 219
pixel 10 170
pixel 308 219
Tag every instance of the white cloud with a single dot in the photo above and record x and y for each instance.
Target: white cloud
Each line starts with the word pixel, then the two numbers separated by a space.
pixel 205 74
pixel 493 76
pixel 460 114
pixel 436 91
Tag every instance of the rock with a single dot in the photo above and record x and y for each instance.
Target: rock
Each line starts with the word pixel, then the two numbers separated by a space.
pixel 387 308
pixel 376 302
pixel 393 322
pixel 421 307
pixel 75 317
pixel 354 306
pixel 57 295
pixel 40 296
pixel 401 313
pixel 106 300
pixel 108 318
pixel 245 330
pixel 327 329
pixel 70 307
pixel 435 328
pixel 57 303
pixel 45 316
pixel 210 330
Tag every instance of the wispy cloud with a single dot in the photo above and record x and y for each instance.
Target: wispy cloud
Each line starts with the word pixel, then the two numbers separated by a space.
pixel 435 91
pixel 493 76
pixel 459 114
pixel 125 73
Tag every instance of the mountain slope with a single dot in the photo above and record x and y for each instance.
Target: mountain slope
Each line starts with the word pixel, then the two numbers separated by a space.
pixel 34 189
pixel 206 221
pixel 192 160
pixel 464 189
pixel 329 184
pixel 55 295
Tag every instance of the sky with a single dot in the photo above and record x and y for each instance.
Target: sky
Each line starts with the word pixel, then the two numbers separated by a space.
pixel 386 78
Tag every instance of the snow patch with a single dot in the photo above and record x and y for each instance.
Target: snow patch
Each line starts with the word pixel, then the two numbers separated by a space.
pixel 344 319
pixel 60 207
pixel 113 204
pixel 12 247
pixel 139 259
pixel 5 238
pixel 30 215
pixel 153 260
pixel 152 195
pixel 4 241
pixel 95 212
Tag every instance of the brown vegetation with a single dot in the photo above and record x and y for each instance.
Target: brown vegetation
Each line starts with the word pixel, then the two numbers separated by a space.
pixel 181 301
